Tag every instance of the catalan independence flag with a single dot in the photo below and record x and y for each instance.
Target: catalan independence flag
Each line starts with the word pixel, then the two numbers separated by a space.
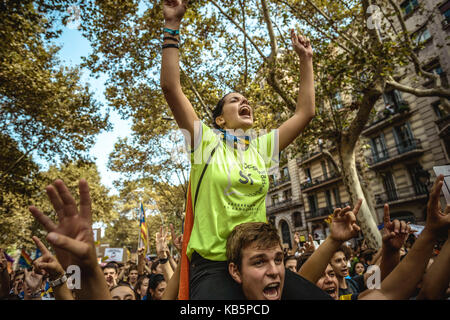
pixel 25 260
pixel 143 228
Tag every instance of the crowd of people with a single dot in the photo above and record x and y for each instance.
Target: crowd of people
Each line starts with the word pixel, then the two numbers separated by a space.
pixel 228 251
pixel 408 267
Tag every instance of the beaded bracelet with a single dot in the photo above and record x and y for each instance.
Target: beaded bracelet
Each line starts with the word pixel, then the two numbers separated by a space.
pixel 171 38
pixel 170 45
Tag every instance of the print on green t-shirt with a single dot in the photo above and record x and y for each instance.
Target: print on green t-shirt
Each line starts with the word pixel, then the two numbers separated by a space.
pixel 232 190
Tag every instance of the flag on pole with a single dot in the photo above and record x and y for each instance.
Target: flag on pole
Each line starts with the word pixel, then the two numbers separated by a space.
pixel 25 260
pixel 143 228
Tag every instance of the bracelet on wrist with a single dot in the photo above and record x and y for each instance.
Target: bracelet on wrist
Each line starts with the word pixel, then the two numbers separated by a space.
pixel 170 45
pixel 163 261
pixel 171 31
pixel 59 281
pixel 171 38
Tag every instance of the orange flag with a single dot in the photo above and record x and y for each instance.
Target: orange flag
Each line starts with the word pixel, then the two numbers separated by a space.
pixel 183 291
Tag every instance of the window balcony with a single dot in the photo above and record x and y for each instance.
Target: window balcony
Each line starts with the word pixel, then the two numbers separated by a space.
pixel 282 205
pixel 321 181
pixel 323 213
pixel 389 116
pixel 399 152
pixel 397 196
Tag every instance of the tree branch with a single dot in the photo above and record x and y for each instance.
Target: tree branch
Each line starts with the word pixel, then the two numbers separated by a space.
pixel 240 29
pixel 436 92
pixel 415 59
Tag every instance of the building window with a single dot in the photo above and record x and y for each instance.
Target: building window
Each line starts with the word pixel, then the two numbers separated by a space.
pixel 308 175
pixel 439 110
pixel 285 174
pixel 379 151
pixel 389 186
pixel 312 201
pixel 324 169
pixel 275 199
pixel 337 197
pixel 409 6
pixel 419 187
pixel 285 233
pixel 420 36
pixel 393 101
pixel 404 138
pixel 287 194
pixel 435 67
pixel 297 217
pixel 328 199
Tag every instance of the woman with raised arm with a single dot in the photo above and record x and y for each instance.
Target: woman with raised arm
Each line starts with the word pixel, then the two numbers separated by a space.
pixel 228 180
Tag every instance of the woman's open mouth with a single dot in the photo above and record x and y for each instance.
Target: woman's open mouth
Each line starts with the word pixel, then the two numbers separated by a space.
pixel 245 112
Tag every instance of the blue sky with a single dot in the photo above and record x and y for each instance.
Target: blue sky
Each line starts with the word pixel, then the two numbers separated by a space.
pixel 75 46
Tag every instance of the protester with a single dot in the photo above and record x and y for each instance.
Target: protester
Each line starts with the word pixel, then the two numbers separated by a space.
pixel 255 262
pixel 122 291
pixel 156 287
pixel 110 271
pixel 232 116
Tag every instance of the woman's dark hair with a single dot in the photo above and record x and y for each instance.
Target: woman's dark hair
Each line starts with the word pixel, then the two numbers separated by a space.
pixel 155 280
pixel 218 110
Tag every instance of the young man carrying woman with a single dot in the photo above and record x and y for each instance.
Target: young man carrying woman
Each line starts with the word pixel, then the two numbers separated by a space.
pixel 228 180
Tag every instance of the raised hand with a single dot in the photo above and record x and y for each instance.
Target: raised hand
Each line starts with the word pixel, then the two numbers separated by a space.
pixel 395 232
pixel 173 10
pixel 72 238
pixel 47 263
pixel 33 280
pixel 309 245
pixel 301 45
pixel 161 244
pixel 343 224
pixel 177 240
pixel 438 222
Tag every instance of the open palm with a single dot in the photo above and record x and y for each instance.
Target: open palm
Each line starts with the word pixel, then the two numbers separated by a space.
pixel 343 224
pixel 72 238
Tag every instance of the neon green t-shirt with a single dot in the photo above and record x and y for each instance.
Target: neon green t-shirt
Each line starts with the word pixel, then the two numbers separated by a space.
pixel 233 188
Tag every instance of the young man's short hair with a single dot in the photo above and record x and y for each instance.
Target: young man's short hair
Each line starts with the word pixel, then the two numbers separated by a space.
pixel 264 235
pixel 111 265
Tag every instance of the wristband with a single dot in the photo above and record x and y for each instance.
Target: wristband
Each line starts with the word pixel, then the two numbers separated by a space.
pixel 171 38
pixel 172 32
pixel 58 282
pixel 170 45
pixel 163 261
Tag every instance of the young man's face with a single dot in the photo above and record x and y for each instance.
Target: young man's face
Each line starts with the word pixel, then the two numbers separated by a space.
pixel 122 293
pixel 329 283
pixel 291 264
pixel 110 275
pixel 18 283
pixel 339 264
pixel 262 273
pixel 133 276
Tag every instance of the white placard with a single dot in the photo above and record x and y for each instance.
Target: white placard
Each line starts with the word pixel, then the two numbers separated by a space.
pixel 445 170
pixel 114 254
pixel 418 229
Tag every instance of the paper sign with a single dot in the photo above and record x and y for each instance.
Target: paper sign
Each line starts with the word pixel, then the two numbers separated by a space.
pixel 445 170
pixel 418 229
pixel 114 254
